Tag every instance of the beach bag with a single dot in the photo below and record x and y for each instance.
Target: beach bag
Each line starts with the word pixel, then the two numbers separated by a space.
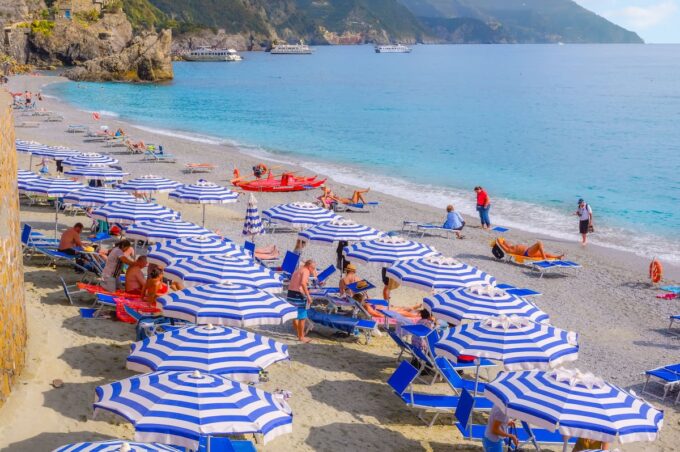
pixel 497 252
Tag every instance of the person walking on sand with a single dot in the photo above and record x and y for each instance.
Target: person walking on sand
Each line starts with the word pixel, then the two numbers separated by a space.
pixel 483 207
pixel 585 220
pixel 299 296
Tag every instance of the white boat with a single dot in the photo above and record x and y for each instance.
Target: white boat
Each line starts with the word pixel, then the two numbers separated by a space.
pixel 291 49
pixel 212 54
pixel 392 48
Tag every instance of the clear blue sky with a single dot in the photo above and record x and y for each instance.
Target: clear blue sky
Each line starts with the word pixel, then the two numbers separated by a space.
pixel 656 21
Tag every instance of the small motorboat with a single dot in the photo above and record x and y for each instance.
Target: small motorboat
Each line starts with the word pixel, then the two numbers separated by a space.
pixel 285 182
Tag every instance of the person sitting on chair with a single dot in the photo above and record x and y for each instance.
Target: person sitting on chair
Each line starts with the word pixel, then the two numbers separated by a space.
pixel 454 221
pixel 351 277
pixel 357 197
pixel 70 240
pixel 534 251
pixel 134 278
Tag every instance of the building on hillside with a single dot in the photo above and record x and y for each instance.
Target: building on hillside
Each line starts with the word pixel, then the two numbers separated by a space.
pixel 67 8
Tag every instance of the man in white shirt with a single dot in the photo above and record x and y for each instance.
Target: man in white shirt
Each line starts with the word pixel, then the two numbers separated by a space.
pixel 585 220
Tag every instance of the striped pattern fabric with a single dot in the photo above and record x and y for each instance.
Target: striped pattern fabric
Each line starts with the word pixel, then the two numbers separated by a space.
pixel 300 214
pixel 179 407
pixel 89 159
pixel 52 186
pixel 25 175
pixel 97 196
pixel 575 403
pixel 387 250
pixel 337 230
pixel 156 230
pixel 97 173
pixel 236 354
pixel 252 224
pixel 517 342
pixel 28 146
pixel 437 273
pixel 221 269
pixel 116 446
pixel 133 211
pixel 168 252
pixel 43 150
pixel 481 302
pixel 204 192
pixel 227 304
pixel 149 184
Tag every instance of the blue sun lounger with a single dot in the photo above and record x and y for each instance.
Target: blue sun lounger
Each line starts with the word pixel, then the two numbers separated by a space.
pixel 673 319
pixel 519 291
pixel 345 324
pixel 547 266
pixel 667 376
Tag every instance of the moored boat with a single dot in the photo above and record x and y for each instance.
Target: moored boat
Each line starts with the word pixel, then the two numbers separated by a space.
pixel 286 182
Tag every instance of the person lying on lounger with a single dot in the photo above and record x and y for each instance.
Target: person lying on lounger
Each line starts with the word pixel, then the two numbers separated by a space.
pixel 328 197
pixel 535 251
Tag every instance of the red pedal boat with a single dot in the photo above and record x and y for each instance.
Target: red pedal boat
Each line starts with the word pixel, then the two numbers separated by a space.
pixel 286 182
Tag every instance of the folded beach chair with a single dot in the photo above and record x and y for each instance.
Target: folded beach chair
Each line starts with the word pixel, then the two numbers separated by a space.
pixel 546 266
pixel 341 323
pixel 191 168
pixel 401 383
pixel 667 376
pixel 152 156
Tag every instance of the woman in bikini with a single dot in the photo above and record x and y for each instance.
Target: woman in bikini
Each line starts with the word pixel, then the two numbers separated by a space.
pixel 534 251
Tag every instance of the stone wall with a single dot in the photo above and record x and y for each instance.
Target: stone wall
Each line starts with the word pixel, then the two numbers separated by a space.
pixel 12 309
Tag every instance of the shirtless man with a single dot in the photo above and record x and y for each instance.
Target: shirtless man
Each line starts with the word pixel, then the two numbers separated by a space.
pixel 70 239
pixel 299 296
pixel 134 278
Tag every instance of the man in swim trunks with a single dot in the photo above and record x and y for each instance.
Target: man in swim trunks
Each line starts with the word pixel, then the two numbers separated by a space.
pixel 70 239
pixel 299 296
pixel 134 278
pixel 534 251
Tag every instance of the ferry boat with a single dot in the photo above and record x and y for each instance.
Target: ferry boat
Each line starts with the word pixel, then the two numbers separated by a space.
pixel 212 54
pixel 392 48
pixel 291 49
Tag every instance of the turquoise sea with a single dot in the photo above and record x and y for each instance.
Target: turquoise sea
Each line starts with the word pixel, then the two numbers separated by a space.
pixel 538 125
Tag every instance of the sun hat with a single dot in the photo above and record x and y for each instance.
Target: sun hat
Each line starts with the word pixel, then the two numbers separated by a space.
pixel 350 268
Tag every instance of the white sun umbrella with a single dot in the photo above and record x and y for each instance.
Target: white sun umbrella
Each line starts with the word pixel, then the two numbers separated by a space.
pixel 97 196
pixel 575 403
pixel 236 354
pixel 161 230
pixel 105 173
pixel 337 230
pixel 170 251
pixel 227 304
pixel 52 186
pixel 252 225
pixel 204 192
pixel 221 269
pixel 480 302
pixel 387 250
pixel 299 215
pixel 437 273
pixel 116 445
pixel 133 211
pixel 181 407
pixel 149 184
pixel 89 159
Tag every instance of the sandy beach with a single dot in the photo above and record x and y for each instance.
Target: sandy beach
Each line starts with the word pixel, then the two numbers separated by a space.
pixel 340 396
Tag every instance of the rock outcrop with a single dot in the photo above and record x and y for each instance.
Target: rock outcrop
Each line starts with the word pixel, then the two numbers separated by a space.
pixel 145 58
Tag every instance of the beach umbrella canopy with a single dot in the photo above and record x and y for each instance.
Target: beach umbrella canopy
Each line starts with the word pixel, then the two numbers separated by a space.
pixel 170 251
pixel 204 192
pixel 300 214
pixel 97 196
pixel 89 159
pixel 180 407
pixel 437 273
pixel 25 175
pixel 517 342
pixel 577 404
pixel 252 224
pixel 227 304
pixel 43 150
pixel 339 229
pixel 157 230
pixel 387 250
pixel 481 302
pixel 232 353
pixel 96 173
pixel 220 269
pixel 133 211
pixel 149 184
pixel 28 146
pixel 116 446
pixel 51 186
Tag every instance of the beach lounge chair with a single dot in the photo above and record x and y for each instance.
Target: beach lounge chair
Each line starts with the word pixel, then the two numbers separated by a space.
pixel 673 319
pixel 666 376
pixel 191 168
pixel 156 157
pixel 341 323
pixel 355 207
pixel 149 325
pixel 289 265
pixel 69 291
pixel 519 291
pixel 28 124
pixel 430 229
pixel 403 346
pixel 53 117
pixel 455 381
pixel 224 444
pixel 77 128
pixel 401 383
pixel 546 266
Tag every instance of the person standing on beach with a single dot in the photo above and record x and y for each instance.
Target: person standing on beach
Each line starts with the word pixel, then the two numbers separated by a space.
pixel 27 97
pixel 483 207
pixel 585 220
pixel 299 296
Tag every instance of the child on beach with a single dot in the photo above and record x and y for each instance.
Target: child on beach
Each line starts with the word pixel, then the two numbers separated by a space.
pixel 44 167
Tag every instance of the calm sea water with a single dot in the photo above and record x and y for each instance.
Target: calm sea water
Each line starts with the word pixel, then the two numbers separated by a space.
pixel 538 126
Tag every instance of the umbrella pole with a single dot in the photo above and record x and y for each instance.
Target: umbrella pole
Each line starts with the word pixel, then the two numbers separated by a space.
pixel 203 215
pixel 565 445
pixel 30 162
pixel 479 362
pixel 56 216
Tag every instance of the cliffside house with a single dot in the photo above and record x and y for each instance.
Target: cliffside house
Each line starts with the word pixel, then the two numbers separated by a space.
pixel 66 8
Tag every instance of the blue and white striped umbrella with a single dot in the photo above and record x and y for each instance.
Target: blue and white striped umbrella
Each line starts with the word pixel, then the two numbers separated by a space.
pixel 300 214
pixel 160 230
pixel 43 150
pixel 96 173
pixel 437 273
pixel 180 407
pixel 116 446
pixel 204 192
pixel 25 175
pixel 89 159
pixel 27 146
pixel 221 269
pixel 517 342
pixel 252 225
pixel 169 252
pixel 227 304
pixel 51 186
pixel 133 211
pixel 232 353
pixel 576 404
pixel 97 196
pixel 149 184
pixel 340 229
pixel 387 250
pixel 481 302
